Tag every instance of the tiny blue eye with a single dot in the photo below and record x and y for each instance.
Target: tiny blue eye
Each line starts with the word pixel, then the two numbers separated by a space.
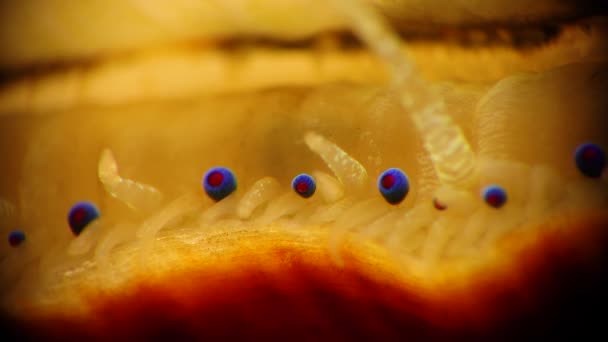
pixel 590 160
pixel 393 185
pixel 494 195
pixel 81 214
pixel 304 185
pixel 16 238
pixel 219 182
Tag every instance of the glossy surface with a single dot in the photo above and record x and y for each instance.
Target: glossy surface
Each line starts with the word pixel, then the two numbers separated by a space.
pixel 16 238
pixel 393 185
pixel 590 160
pixel 80 215
pixel 219 182
pixel 304 185
pixel 494 195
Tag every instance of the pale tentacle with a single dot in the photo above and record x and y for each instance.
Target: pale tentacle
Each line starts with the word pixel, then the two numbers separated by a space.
pixel 329 187
pixel 452 157
pixel 508 220
pixel 85 241
pixel 546 188
pixel 380 227
pixel 136 195
pixel 474 228
pixel 330 212
pixel 219 210
pixel 260 192
pixel 347 169
pixel 285 204
pixel 436 240
pixel 360 214
pixel 178 208
pixel 120 234
pixel 408 226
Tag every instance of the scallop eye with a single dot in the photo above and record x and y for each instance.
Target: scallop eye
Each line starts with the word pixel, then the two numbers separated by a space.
pixel 81 214
pixel 219 182
pixel 16 238
pixel 393 185
pixel 494 195
pixel 304 185
pixel 590 160
pixel 439 205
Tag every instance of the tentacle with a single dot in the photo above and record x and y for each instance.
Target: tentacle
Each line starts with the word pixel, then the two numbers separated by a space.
pixel 85 241
pixel 439 233
pixel 452 157
pixel 360 214
pixel 381 226
pixel 330 212
pixel 226 207
pixel 260 192
pixel 408 226
pixel 546 188
pixel 329 188
pixel 117 235
pixel 348 170
pixel 178 208
pixel 285 204
pixel 136 195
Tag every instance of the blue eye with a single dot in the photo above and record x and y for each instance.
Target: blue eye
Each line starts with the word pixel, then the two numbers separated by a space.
pixel 494 196
pixel 219 182
pixel 16 238
pixel 81 214
pixel 304 185
pixel 590 160
pixel 393 185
